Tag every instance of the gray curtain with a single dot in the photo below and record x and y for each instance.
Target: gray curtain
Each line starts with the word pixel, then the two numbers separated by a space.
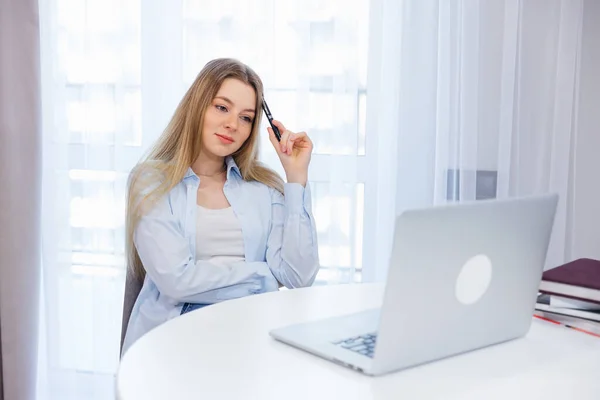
pixel 20 190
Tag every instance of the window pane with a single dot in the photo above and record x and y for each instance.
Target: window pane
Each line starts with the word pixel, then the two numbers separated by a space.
pixel 338 211
pixel 207 10
pixel 96 214
pixel 103 114
pixel 92 114
pixel 99 40
pixel 129 116
pixel 87 328
pixel 333 123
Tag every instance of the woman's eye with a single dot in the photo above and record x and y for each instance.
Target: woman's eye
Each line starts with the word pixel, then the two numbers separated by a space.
pixel 221 108
pixel 247 119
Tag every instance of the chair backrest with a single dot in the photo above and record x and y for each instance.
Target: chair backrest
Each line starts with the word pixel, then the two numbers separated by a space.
pixel 133 286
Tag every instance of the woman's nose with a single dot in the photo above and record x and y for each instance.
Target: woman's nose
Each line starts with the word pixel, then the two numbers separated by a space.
pixel 231 123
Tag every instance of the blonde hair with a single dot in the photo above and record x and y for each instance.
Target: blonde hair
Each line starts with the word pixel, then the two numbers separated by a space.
pixel 179 146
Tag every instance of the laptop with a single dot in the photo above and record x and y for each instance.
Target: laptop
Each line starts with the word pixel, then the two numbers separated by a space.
pixel 461 277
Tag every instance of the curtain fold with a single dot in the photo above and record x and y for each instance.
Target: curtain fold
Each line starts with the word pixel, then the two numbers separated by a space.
pixel 488 106
pixel 20 183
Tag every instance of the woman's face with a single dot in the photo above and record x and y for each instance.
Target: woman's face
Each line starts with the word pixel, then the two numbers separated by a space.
pixel 228 119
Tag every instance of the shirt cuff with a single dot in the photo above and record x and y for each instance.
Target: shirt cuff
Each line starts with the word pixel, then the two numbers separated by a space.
pixel 297 197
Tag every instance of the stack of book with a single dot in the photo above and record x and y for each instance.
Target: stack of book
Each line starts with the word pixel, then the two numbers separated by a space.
pixel 570 294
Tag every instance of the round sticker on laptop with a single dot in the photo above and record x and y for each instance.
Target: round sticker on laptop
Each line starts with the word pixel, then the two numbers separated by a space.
pixel 474 279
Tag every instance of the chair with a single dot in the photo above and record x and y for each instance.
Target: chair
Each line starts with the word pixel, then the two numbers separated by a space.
pixel 133 286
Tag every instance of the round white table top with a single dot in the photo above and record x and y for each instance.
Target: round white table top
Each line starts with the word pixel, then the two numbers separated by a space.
pixel 225 352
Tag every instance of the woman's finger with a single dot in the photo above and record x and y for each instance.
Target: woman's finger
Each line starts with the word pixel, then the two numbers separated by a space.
pixel 299 136
pixel 290 143
pixel 285 135
pixel 300 139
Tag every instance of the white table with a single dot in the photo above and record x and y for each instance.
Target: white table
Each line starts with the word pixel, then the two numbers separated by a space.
pixel 224 352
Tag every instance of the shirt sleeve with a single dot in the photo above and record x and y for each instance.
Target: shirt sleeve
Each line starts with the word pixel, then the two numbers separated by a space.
pixel 165 253
pixel 292 248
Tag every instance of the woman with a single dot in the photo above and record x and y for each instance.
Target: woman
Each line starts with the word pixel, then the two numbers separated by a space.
pixel 206 222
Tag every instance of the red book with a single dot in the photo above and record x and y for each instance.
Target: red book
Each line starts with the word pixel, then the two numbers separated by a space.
pixel 579 279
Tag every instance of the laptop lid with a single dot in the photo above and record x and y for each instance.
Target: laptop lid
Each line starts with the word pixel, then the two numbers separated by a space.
pixel 462 277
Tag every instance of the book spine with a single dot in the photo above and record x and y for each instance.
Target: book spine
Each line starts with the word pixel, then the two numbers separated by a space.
pixel 570 297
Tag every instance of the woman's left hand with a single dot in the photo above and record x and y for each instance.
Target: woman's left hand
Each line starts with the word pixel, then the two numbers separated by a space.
pixel 294 151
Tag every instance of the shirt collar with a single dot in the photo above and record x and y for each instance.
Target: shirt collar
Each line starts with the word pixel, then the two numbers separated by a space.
pixel 229 162
pixel 231 165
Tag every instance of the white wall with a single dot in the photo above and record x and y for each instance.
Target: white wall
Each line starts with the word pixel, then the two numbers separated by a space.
pixel 586 184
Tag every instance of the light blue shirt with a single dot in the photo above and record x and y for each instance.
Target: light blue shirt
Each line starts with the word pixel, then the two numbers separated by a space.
pixel 280 243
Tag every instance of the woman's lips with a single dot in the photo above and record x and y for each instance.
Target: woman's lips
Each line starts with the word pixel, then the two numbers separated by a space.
pixel 224 139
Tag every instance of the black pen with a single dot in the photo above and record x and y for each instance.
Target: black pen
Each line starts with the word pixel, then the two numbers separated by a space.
pixel 270 118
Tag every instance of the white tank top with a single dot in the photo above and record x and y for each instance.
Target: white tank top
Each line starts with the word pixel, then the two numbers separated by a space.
pixel 219 236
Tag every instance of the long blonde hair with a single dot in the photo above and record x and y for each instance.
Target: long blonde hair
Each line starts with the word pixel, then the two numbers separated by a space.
pixel 179 146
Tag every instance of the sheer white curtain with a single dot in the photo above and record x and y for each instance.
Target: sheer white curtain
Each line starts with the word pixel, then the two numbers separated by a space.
pixel 113 72
pixel 91 86
pixel 486 105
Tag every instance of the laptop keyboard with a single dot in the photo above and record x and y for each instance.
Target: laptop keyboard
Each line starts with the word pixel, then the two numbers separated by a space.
pixel 362 344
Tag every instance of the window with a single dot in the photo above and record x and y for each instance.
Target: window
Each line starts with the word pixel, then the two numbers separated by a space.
pixel 119 70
